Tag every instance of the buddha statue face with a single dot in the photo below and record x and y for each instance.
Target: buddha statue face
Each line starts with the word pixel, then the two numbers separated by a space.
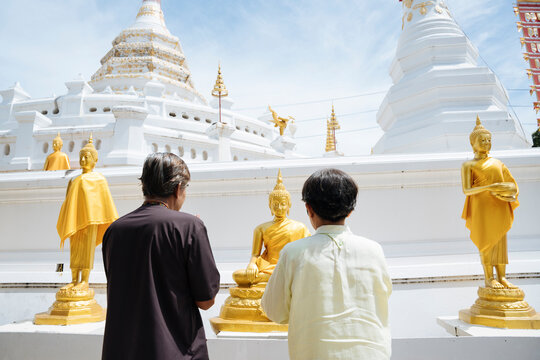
pixel 57 144
pixel 482 144
pixel 87 161
pixel 280 205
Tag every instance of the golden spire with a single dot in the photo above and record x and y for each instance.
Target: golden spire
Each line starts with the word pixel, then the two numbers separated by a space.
pixel 219 88
pixel 57 136
pixel 331 126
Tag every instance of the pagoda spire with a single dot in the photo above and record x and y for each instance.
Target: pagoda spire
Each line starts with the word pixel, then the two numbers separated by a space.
pixel 331 126
pixel 219 89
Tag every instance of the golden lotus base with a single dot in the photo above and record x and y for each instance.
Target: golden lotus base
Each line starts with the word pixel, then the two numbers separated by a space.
pixel 242 312
pixel 501 308
pixel 219 324
pixel 72 307
pixel 531 322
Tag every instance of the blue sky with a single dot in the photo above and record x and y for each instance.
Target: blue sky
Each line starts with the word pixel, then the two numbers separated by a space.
pixel 297 56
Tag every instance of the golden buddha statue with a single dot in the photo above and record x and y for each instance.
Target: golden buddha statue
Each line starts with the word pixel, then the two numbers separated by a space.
pixel 86 213
pixel 58 160
pixel 242 310
pixel 489 212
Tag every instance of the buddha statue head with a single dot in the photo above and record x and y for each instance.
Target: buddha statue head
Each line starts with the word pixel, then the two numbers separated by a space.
pixel 88 156
pixel 279 199
pixel 480 138
pixel 57 143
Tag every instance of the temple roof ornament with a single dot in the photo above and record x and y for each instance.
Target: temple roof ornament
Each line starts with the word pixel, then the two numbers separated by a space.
pixel 219 87
pixel 144 52
pixel 331 126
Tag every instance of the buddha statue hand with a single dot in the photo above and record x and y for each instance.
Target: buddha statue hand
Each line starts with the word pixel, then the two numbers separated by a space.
pixel 505 191
pixel 252 271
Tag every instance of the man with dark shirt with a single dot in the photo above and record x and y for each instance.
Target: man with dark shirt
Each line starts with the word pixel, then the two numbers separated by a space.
pixel 160 270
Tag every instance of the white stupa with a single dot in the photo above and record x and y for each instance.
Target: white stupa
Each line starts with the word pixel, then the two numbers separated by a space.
pixel 439 88
pixel 142 99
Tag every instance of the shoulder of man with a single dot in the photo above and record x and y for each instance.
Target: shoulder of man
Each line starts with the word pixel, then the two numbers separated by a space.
pixel 367 244
pixel 296 247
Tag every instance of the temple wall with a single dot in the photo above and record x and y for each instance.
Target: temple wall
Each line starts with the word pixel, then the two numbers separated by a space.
pixel 410 204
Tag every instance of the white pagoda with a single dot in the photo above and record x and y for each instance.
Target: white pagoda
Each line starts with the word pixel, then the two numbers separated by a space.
pixel 439 89
pixel 142 99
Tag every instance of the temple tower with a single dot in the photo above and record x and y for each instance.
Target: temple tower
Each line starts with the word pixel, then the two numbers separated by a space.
pixel 528 12
pixel 439 89
pixel 146 51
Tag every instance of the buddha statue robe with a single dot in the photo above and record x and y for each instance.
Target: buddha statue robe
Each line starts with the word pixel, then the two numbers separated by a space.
pixel 487 217
pixel 88 207
pixel 57 161
pixel 275 237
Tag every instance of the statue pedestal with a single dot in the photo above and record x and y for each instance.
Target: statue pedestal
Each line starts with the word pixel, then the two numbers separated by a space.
pixel 72 307
pixel 501 308
pixel 242 312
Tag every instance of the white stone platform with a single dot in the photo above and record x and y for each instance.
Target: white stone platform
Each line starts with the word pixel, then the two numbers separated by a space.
pixel 457 327
pixel 83 342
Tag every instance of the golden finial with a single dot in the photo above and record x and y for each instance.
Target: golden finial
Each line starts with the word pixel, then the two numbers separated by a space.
pixel 478 129
pixel 57 137
pixel 219 87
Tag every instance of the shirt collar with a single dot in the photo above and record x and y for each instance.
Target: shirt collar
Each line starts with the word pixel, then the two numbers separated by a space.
pixel 332 229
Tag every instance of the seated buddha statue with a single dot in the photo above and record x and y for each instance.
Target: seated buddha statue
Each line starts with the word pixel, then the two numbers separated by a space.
pixel 274 235
pixel 489 207
pixel 58 160
pixel 242 310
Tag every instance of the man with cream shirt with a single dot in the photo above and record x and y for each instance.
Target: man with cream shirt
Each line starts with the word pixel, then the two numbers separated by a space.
pixel 333 287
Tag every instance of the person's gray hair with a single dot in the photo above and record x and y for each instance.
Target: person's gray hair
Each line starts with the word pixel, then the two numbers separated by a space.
pixel 162 173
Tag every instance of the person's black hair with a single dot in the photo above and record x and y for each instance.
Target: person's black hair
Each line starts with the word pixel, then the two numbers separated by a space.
pixel 162 172
pixel 331 193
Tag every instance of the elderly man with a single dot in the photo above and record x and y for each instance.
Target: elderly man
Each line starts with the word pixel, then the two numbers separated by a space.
pixel 160 270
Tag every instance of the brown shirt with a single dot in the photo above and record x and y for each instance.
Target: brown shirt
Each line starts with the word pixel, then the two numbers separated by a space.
pixel 158 262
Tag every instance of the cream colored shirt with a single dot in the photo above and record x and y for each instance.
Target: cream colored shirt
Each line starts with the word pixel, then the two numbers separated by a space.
pixel 333 289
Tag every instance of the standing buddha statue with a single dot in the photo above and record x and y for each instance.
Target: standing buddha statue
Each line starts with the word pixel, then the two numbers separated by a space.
pixel 86 213
pixel 489 212
pixel 58 160
pixel 242 310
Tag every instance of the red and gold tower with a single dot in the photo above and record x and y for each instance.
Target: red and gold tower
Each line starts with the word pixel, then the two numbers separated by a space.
pixel 528 12
pixel 529 24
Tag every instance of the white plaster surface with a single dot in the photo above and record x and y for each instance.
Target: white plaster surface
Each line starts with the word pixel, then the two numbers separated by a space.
pixel 22 341
pixel 457 327
pixel 439 89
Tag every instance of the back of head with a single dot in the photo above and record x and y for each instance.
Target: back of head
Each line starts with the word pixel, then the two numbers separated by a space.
pixel 162 172
pixel 331 193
